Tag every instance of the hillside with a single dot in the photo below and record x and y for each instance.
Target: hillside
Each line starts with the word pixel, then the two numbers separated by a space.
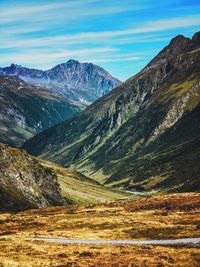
pixel 24 183
pixel 26 110
pixel 143 135
pixel 81 82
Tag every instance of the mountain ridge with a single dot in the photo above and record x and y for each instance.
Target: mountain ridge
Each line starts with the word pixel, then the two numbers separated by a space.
pixel 80 82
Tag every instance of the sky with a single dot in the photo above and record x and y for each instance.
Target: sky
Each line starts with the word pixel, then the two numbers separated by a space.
pixel 121 36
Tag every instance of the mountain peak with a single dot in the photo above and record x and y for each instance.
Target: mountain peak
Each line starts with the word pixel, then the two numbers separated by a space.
pixel 179 44
pixel 72 61
pixel 196 36
pixel 80 82
pixel 196 40
pixel 15 65
pixel 179 38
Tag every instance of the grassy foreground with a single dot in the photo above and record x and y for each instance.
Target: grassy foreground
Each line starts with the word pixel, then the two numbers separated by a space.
pixel 161 217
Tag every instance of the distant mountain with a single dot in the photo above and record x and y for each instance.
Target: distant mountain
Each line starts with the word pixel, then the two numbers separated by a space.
pixel 26 110
pixel 80 82
pixel 143 135
pixel 25 183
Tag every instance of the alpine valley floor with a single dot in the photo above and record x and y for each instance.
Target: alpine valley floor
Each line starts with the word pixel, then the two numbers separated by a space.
pixel 159 217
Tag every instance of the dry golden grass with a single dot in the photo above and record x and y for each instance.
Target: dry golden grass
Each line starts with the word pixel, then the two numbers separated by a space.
pixel 164 217
pixel 18 252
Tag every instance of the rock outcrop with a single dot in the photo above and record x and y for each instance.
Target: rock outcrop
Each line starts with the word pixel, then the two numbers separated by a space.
pixel 24 183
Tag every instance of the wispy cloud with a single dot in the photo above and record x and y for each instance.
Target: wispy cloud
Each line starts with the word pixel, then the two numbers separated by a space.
pixel 67 11
pixel 116 59
pixel 30 56
pixel 153 26
pixel 18 13
pixel 99 37
pixel 52 31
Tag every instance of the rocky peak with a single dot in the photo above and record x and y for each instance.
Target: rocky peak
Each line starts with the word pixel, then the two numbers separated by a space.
pixel 13 69
pixel 72 61
pixel 81 82
pixel 15 66
pixel 179 44
pixel 195 42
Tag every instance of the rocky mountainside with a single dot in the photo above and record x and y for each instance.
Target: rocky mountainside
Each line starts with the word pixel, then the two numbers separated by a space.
pixel 25 183
pixel 80 82
pixel 26 110
pixel 143 135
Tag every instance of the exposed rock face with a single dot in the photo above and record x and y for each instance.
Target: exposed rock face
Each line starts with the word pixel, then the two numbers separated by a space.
pixel 24 183
pixel 80 82
pixel 26 110
pixel 134 136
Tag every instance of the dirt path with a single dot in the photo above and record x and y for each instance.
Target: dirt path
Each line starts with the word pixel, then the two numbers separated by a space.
pixel 180 241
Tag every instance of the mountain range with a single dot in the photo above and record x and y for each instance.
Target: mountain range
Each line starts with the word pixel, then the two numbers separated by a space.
pixel 144 134
pixel 81 82
pixel 33 100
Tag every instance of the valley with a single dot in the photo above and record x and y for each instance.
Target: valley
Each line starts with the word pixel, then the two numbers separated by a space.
pixel 79 189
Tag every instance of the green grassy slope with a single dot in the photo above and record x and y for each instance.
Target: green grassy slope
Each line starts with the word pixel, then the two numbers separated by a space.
pixel 77 188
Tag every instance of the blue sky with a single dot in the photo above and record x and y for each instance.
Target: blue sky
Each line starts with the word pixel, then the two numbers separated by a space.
pixel 119 35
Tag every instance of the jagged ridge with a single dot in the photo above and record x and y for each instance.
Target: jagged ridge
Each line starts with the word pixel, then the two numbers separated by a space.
pixel 80 82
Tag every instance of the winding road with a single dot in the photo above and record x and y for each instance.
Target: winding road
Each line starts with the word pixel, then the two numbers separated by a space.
pixel 180 241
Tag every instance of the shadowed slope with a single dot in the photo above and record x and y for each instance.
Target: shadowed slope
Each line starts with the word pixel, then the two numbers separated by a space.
pixel 26 110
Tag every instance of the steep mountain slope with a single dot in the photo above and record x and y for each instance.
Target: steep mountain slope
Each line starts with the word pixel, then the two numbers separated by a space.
pixel 80 82
pixel 26 110
pixel 143 135
pixel 24 183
